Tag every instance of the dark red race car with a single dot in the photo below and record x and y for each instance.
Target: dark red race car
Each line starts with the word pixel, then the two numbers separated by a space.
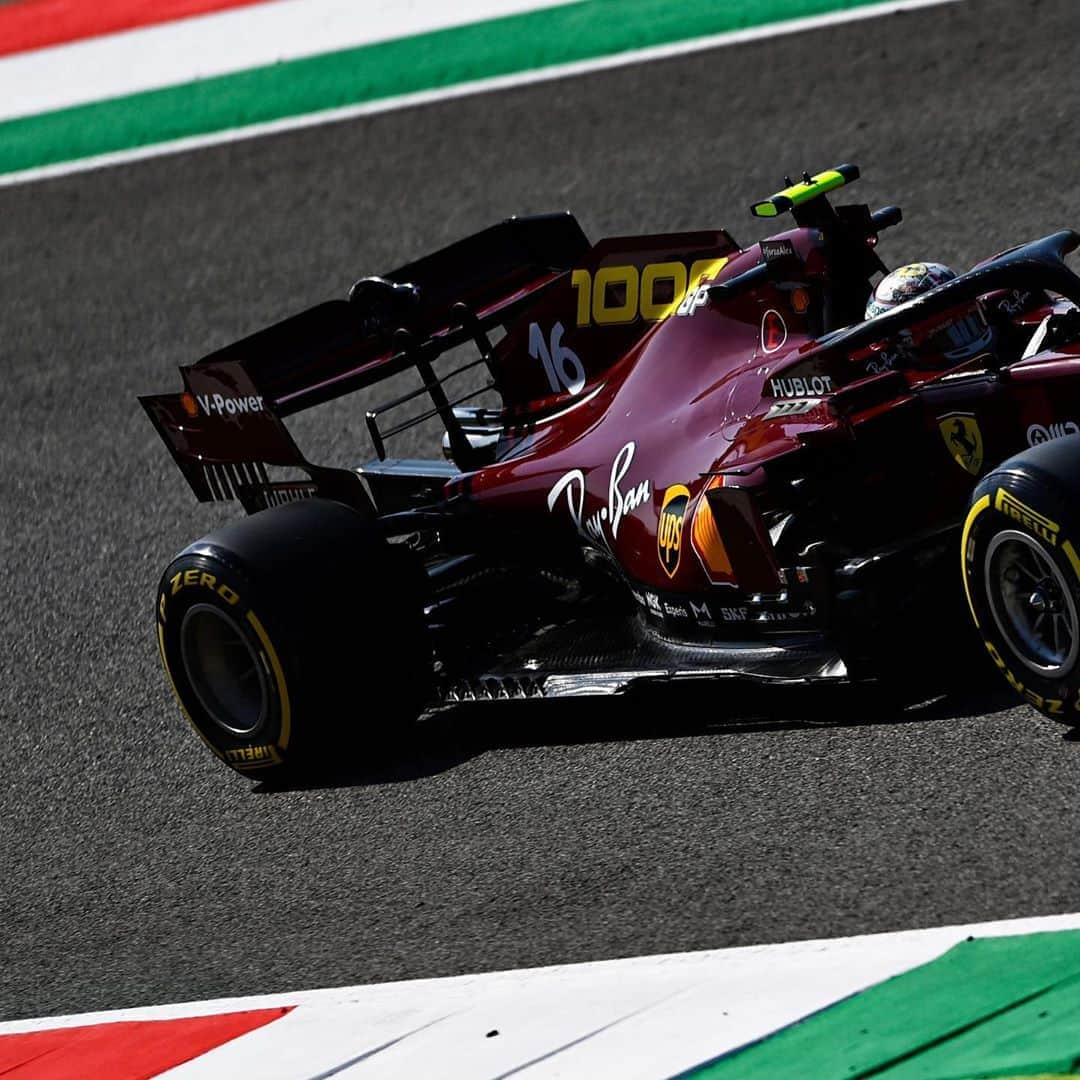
pixel 682 459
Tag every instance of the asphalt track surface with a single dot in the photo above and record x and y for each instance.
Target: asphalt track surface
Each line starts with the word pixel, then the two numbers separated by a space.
pixel 136 869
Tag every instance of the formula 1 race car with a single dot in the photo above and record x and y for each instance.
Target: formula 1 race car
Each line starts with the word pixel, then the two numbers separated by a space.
pixel 682 459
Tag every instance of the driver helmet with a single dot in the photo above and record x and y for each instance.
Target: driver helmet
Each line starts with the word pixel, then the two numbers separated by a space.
pixel 963 336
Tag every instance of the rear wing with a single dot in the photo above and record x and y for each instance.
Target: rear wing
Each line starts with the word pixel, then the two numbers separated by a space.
pixel 225 427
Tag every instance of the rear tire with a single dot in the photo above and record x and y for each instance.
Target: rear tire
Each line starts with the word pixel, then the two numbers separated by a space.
pixel 294 639
pixel 1021 566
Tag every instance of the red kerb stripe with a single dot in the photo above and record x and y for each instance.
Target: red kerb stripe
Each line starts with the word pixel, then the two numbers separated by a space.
pixel 123 1050
pixel 36 24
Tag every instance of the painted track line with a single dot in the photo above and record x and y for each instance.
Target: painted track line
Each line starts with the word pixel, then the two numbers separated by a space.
pixel 224 43
pixel 650 1016
pixel 42 24
pixel 464 89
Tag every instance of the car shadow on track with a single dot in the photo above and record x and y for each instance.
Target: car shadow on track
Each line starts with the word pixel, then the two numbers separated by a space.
pixel 451 736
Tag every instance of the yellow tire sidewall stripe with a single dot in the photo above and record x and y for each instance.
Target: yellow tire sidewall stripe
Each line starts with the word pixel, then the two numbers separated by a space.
pixel 176 694
pixel 1070 554
pixel 279 676
pixel 977 508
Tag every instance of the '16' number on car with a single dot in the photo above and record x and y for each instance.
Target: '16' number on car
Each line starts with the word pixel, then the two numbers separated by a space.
pixel 562 366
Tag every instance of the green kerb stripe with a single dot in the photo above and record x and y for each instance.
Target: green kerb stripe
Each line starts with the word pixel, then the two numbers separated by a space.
pixel 1002 1007
pixel 581 31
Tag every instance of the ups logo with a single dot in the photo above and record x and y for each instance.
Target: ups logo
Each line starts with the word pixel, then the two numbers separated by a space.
pixel 669 533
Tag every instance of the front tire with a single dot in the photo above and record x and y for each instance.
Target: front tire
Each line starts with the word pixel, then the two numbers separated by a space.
pixel 294 639
pixel 1021 566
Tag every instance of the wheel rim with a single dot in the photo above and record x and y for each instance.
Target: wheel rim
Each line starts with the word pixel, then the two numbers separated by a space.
pixel 1032 604
pixel 223 670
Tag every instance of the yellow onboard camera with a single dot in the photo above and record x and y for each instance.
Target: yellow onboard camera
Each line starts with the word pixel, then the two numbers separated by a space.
pixel 810 187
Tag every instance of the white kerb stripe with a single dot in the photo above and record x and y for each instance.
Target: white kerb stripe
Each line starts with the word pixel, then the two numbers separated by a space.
pixel 639 1019
pixel 426 97
pixel 222 43
pixel 653 1016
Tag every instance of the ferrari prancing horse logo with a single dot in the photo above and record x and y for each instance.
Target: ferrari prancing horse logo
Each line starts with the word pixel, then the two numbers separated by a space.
pixel 963 439
pixel 669 532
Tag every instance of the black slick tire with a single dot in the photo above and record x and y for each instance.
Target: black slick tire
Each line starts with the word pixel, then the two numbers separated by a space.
pixel 294 639
pixel 1020 553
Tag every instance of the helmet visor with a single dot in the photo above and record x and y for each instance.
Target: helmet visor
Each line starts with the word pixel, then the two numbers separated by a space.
pixel 964 337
